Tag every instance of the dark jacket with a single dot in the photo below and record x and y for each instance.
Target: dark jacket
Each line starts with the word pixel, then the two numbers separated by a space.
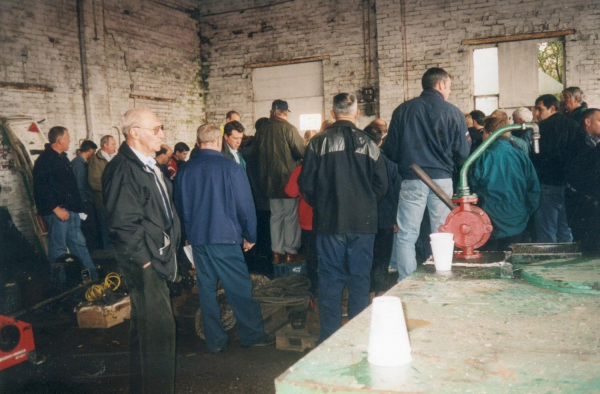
pixel 430 132
pixel 559 139
pixel 343 177
pixel 226 151
pixel 387 209
pixel 279 149
pixel 80 170
pixel 54 184
pixel 138 222
pixel 215 200
pixel 96 167
pixel 583 171
pixel 577 114
pixel 507 185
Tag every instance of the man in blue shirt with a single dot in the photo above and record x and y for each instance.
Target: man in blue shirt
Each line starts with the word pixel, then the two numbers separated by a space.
pixel 432 133
pixel 216 205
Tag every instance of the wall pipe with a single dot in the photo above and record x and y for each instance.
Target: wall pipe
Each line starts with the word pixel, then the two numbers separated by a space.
pixel 83 62
pixel 463 185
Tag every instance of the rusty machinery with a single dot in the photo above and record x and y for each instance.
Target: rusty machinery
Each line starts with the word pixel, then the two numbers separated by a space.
pixel 470 224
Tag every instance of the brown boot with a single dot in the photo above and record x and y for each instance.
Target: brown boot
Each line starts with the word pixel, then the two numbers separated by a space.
pixel 293 258
pixel 278 258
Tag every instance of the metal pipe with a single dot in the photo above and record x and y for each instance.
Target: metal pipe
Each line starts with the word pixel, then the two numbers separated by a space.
pixel 83 62
pixel 433 186
pixel 463 185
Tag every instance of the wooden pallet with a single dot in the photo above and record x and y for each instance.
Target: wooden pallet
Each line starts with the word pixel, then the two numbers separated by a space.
pixel 103 316
pixel 296 340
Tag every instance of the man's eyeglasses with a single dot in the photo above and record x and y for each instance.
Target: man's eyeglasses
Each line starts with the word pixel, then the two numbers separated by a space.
pixel 155 130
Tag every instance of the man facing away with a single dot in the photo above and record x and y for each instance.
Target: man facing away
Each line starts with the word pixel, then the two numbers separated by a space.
pixel 232 138
pixel 58 201
pixel 558 140
pixel 86 193
pixel 98 162
pixel 523 115
pixel 279 149
pixel 507 186
pixel 342 178
pixel 214 197
pixel 432 133
pixel 145 233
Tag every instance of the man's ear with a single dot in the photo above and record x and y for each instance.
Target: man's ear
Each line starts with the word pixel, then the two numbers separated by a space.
pixel 332 114
pixel 357 112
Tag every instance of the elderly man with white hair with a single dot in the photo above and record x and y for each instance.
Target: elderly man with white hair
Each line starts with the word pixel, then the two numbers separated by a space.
pixel 523 115
pixel 342 178
pixel 146 232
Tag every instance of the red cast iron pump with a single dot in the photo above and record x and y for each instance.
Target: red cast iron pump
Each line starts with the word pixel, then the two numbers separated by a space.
pixel 470 224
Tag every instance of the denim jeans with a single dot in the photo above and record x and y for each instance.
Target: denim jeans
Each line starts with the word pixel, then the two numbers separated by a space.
pixel 551 217
pixel 415 196
pixel 344 259
pixel 226 263
pixel 67 234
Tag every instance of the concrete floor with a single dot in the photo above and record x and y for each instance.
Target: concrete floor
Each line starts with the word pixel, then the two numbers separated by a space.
pixel 96 360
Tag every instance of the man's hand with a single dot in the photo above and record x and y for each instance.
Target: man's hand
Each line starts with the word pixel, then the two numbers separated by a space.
pixel 61 213
pixel 148 264
pixel 396 228
pixel 248 245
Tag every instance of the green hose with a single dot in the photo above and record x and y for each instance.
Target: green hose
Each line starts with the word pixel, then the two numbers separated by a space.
pixel 463 185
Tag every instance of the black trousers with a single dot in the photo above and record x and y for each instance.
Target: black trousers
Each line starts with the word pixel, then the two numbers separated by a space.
pixel 382 253
pixel 152 330
pixel 309 241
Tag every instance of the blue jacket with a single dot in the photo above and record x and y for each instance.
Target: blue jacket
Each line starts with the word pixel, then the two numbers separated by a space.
pixel 214 200
pixel 80 170
pixel 429 131
pixel 508 188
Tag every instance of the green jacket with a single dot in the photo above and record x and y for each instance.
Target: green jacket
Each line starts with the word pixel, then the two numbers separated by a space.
pixel 280 150
pixel 508 188
pixel 96 167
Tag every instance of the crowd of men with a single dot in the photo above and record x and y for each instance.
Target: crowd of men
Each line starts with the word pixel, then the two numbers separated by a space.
pixel 344 196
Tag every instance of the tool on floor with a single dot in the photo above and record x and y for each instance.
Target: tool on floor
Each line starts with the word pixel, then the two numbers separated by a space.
pixel 470 224
pixel 16 343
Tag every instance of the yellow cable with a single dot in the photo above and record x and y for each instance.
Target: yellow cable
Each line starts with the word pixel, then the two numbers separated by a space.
pixel 96 292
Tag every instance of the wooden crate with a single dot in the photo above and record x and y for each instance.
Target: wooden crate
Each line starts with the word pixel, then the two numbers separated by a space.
pixel 103 316
pixel 274 317
pixel 297 340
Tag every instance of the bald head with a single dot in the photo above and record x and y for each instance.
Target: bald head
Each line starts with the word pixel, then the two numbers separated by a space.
pixel 143 131
pixel 382 124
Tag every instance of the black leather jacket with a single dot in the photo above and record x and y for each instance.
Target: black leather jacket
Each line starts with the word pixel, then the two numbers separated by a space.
pixel 343 177
pixel 140 229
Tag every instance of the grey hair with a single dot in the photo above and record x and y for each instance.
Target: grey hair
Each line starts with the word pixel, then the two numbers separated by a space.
pixel 104 140
pixel 344 104
pixel 523 113
pixel 575 92
pixel 279 112
pixel 132 118
pixel 208 132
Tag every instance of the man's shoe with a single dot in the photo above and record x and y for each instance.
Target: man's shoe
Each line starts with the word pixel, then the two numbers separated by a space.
pixel 268 341
pixel 293 258
pixel 278 258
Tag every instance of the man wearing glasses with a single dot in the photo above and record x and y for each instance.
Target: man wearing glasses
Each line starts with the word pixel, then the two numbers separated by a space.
pixel 145 233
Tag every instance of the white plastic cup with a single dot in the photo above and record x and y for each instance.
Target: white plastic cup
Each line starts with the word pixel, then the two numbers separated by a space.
pixel 442 248
pixel 389 345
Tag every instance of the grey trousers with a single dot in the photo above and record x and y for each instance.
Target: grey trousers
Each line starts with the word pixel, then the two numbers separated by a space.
pixel 285 229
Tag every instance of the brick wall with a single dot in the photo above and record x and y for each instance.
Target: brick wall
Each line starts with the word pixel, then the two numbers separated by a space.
pixel 435 29
pixel 143 48
pixel 284 31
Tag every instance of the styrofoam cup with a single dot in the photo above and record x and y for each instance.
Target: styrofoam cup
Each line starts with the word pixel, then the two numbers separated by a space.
pixel 443 252
pixel 388 338
pixel 441 237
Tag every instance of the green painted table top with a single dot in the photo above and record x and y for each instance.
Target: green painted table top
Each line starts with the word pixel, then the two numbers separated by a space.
pixel 469 334
pixel 574 276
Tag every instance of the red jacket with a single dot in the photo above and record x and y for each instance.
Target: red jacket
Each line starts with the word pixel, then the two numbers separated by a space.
pixel 305 211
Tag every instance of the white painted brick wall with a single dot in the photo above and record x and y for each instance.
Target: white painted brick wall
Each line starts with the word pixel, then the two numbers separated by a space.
pixel 435 29
pixel 283 31
pixel 139 47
